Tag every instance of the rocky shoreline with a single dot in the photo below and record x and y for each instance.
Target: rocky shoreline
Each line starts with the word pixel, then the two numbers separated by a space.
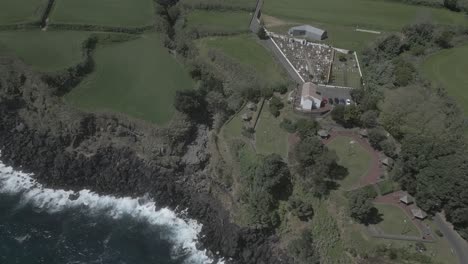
pixel 110 154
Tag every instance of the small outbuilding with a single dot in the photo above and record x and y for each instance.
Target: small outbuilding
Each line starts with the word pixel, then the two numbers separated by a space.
pixel 407 199
pixel 309 32
pixel 418 213
pixel 247 117
pixel 387 162
pixel 323 133
pixel 252 106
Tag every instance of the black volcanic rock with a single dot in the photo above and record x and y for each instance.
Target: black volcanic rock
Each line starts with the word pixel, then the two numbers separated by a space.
pixel 111 154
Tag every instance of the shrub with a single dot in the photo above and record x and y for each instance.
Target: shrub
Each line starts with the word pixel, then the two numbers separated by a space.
pixel 288 125
pixel 275 106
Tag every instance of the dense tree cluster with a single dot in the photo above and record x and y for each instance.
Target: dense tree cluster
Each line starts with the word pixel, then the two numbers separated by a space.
pixel 263 185
pixel 303 249
pixel 318 169
pixel 432 162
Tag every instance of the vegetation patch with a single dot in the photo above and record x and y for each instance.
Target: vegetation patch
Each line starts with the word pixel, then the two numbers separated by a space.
pixel 142 81
pixel 121 13
pixel 395 221
pixel 21 11
pixel 44 51
pixel 248 52
pixel 218 23
pixel 352 156
pixel 448 69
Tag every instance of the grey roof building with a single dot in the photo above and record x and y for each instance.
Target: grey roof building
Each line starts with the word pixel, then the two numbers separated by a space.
pixel 309 32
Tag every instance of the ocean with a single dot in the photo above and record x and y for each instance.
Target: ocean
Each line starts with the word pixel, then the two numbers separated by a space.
pixel 41 225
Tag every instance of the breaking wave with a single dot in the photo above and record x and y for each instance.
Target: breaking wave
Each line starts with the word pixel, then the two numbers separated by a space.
pixel 183 233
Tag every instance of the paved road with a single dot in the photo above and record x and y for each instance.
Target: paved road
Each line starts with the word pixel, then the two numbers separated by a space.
pixel 459 245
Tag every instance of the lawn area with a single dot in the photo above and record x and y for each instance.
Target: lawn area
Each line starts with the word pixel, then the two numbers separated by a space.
pixel 21 11
pixel 448 69
pixel 119 13
pixel 248 5
pixel 396 221
pixel 269 137
pixel 345 73
pixel 138 78
pixel 247 51
pixel 353 157
pixel 368 14
pixel 44 50
pixel 214 22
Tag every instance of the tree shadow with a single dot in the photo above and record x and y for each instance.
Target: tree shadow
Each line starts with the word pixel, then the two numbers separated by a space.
pixel 374 217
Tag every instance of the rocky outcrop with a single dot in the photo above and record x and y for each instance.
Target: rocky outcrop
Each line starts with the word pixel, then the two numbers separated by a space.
pixel 110 154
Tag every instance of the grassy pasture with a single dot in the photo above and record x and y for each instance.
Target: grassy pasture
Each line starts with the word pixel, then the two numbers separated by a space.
pixel 138 78
pixel 44 51
pixel 247 51
pixel 378 15
pixel 221 4
pixel 353 157
pixel 21 11
pixel 213 22
pixel 269 137
pixel 396 221
pixel 119 13
pixel 448 69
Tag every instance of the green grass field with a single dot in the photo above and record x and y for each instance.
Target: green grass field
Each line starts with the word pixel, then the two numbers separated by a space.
pixel 44 51
pixel 341 17
pixel 21 11
pixel 378 15
pixel 247 51
pixel 221 4
pixel 119 13
pixel 138 78
pixel 448 69
pixel 213 22
pixel 396 221
pixel 269 137
pixel 353 157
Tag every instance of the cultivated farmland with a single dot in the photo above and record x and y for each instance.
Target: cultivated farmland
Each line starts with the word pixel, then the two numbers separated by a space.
pixel 448 68
pixel 21 11
pixel 118 13
pixel 138 78
pixel 216 23
pixel 44 51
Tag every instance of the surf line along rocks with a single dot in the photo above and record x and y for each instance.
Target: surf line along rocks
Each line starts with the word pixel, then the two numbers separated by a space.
pixel 109 154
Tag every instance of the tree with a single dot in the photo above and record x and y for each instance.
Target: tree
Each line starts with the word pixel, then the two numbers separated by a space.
pixel 275 106
pixel 452 5
pixel 376 136
pixel 444 39
pixel 303 210
pixel 337 114
pixel 360 206
pixel 403 72
pixel 388 147
pixel 307 127
pixel 303 249
pixel 419 34
pixel 369 119
pixel 352 115
pixel 261 33
pixel 189 101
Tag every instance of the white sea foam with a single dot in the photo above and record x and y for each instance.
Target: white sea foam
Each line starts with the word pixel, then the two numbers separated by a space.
pixel 184 232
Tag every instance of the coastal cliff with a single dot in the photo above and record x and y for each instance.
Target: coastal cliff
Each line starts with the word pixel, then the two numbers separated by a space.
pixel 111 154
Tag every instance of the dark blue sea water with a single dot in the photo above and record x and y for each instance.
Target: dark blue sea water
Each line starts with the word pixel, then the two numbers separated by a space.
pixel 39 225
